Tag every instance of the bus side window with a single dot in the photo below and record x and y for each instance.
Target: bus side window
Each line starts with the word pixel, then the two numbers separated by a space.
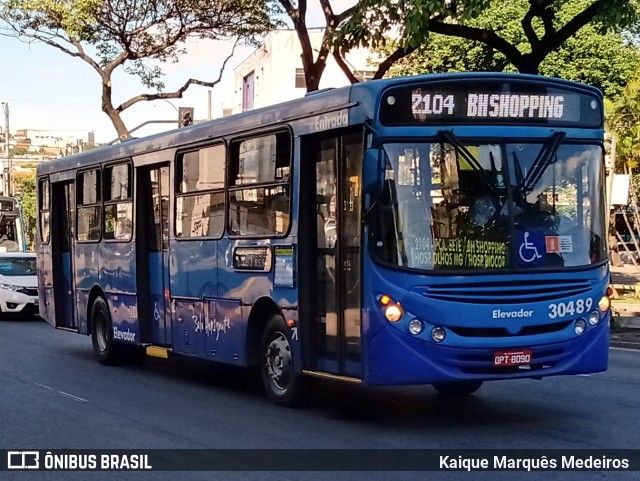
pixel 200 180
pixel 263 209
pixel 118 206
pixel 89 205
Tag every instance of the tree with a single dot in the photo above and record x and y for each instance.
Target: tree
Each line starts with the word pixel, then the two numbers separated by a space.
pixel 623 120
pixel 369 23
pixel 546 25
pixel 28 203
pixel 135 35
pixel 314 66
pixel 593 55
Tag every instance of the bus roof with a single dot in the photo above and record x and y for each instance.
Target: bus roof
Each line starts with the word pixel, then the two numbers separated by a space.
pixel 312 104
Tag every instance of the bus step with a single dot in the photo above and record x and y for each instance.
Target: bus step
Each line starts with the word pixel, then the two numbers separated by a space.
pixel 334 377
pixel 157 351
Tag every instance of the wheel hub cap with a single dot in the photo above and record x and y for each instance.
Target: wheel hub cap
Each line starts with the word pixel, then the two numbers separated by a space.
pixel 278 360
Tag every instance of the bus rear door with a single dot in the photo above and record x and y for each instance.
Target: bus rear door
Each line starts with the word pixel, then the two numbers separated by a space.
pixel 152 253
pixel 63 223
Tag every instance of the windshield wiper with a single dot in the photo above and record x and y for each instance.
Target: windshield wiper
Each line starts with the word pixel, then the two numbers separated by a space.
pixel 543 160
pixel 469 158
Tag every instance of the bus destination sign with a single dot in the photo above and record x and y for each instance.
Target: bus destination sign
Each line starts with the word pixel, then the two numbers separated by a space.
pixel 503 106
pixel 489 102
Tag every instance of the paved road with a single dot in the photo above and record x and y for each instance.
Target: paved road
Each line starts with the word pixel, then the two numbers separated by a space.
pixel 54 395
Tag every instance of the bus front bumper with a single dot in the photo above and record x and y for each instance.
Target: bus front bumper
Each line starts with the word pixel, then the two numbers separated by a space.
pixel 395 358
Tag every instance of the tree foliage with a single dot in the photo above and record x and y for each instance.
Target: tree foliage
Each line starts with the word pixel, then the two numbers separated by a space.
pixel 545 26
pixel 623 120
pixel 525 33
pixel 28 204
pixel 135 35
pixel 594 55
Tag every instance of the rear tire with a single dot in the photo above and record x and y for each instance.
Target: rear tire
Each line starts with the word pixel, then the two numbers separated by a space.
pixel 460 388
pixel 281 383
pixel 102 333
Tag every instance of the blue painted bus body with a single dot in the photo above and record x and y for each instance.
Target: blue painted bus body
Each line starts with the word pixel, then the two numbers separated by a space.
pixel 208 304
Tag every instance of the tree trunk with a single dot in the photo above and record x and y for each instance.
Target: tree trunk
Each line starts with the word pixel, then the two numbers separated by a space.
pixel 313 75
pixel 113 113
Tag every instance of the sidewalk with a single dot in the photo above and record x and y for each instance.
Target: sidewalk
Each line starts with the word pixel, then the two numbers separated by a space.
pixel 627 331
pixel 625 277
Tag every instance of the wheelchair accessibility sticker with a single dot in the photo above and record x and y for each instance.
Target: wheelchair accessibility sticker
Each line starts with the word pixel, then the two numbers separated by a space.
pixel 535 247
pixel 529 250
pixel 531 247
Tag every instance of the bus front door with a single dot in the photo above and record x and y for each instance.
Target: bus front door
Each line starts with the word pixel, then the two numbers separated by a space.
pixel 152 254
pixel 336 338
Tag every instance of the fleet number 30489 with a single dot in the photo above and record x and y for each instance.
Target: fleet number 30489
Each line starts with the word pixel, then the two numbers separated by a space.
pixel 571 308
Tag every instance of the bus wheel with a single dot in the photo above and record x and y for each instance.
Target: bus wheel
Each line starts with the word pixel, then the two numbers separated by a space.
pixel 460 388
pixel 102 332
pixel 281 383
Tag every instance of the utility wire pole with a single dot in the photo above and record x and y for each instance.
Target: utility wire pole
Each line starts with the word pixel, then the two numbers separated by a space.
pixel 9 168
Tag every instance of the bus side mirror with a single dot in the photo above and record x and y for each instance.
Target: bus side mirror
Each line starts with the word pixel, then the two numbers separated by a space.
pixel 371 171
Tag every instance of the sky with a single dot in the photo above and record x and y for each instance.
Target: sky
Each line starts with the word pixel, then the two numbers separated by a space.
pixel 49 90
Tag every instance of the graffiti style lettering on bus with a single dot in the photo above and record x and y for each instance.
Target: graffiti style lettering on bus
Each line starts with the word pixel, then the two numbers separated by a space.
pixel 215 327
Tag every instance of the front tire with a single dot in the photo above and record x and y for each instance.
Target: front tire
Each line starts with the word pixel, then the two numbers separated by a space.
pixel 102 333
pixel 281 383
pixel 460 388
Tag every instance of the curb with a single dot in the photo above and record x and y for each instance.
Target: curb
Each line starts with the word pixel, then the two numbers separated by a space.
pixel 628 322
pixel 628 314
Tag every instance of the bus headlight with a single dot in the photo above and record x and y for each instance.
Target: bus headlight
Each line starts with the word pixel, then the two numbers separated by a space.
pixel 415 326
pixel 580 326
pixel 594 318
pixel 604 303
pixel 393 312
pixel 438 334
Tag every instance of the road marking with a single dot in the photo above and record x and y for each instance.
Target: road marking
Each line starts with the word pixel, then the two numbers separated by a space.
pixel 63 394
pixel 71 396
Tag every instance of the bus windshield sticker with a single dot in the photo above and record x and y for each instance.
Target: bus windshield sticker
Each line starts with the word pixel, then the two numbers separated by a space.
pixel 284 266
pixel 461 252
pixel 252 259
pixel 531 246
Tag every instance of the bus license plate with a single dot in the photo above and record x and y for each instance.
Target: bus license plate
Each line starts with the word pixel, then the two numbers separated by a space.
pixel 512 358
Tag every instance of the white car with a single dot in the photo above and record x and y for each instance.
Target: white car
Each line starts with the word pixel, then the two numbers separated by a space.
pixel 18 283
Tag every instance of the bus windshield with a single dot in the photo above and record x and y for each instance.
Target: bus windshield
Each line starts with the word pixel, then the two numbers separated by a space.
pixel 457 205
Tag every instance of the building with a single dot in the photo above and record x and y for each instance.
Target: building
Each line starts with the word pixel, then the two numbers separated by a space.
pixel 29 147
pixel 273 73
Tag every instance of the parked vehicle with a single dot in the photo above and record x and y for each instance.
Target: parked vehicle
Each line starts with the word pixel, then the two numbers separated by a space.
pixel 18 283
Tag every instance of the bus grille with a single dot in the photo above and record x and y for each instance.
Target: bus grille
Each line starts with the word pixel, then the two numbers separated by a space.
pixel 515 292
pixel 502 332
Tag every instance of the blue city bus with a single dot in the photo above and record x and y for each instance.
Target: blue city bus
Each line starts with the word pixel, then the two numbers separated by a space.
pixel 438 229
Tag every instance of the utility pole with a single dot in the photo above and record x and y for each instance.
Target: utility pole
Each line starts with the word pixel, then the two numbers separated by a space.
pixel 7 179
